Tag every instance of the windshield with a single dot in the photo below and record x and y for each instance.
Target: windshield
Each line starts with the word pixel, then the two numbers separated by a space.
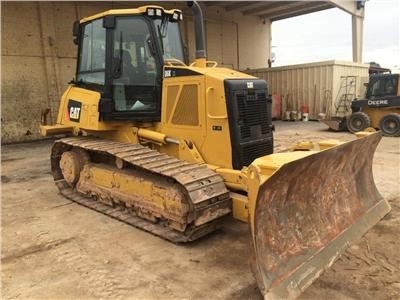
pixel 134 72
pixel 382 86
pixel 168 35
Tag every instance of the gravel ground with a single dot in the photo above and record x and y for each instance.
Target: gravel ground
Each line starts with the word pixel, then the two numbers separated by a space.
pixel 52 248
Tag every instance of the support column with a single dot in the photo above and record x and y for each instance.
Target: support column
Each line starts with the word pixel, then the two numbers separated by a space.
pixel 357 35
pixel 356 8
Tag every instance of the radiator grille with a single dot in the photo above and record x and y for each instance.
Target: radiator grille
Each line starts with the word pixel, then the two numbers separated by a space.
pixel 250 120
pixel 253 111
pixel 249 153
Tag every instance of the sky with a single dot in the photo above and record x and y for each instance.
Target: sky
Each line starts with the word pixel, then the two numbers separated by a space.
pixel 326 35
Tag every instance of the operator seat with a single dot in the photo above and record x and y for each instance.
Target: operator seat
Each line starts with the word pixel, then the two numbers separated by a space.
pixel 124 85
pixel 128 70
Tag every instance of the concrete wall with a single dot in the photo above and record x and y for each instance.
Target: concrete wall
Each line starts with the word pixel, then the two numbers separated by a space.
pixel 315 85
pixel 38 60
pixel 237 41
pixel 38 55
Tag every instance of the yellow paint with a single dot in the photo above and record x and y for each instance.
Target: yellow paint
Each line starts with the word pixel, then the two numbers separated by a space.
pixel 211 111
pixel 361 134
pixel 376 114
pixel 326 144
pixel 89 115
pixel 267 165
pixel 398 86
pixel 234 179
pixel 254 181
pixel 124 134
pixel 48 130
pixel 152 135
pixel 302 145
pixel 189 152
pixel 130 185
pixel 130 11
pixel 133 188
pixel 240 207
pixel 102 176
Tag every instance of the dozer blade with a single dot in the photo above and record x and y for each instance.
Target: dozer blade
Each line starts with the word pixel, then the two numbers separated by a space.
pixel 308 211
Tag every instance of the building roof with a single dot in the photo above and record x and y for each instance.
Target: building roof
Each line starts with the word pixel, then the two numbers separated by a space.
pixel 273 10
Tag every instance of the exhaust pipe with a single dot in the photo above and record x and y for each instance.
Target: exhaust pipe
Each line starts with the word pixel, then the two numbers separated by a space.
pixel 199 33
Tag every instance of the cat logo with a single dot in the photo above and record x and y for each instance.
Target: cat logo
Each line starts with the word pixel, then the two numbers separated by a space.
pixel 74 110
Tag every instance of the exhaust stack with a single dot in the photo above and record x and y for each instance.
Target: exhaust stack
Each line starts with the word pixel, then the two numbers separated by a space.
pixel 201 57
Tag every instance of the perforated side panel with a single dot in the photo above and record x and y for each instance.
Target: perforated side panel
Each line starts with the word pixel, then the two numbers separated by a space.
pixel 186 111
pixel 172 94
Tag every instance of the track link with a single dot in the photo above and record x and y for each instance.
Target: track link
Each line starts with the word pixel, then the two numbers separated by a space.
pixel 206 191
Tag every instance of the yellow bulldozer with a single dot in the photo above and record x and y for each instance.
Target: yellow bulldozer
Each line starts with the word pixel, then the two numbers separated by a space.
pixel 173 148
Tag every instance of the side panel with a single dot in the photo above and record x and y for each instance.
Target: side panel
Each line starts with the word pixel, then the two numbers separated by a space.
pixel 79 108
pixel 194 108
pixel 376 114
pixel 388 101
pixel 216 149
pixel 377 108
pixel 182 108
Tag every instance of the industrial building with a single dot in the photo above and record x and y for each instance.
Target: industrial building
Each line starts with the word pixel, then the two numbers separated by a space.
pixel 38 54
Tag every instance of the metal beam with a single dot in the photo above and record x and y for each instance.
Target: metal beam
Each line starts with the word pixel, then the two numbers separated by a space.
pixel 298 6
pixel 301 12
pixel 213 3
pixel 236 6
pixel 263 7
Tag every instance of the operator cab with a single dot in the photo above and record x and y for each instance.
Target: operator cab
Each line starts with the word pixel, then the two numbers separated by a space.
pixel 382 86
pixel 121 54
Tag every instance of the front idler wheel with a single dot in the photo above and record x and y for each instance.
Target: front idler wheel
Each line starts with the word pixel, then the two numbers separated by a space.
pixel 72 163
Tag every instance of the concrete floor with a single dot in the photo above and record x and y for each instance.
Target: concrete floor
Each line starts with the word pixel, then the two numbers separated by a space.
pixel 53 248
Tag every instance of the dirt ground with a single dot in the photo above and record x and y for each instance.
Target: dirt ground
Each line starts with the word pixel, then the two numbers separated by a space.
pixel 55 249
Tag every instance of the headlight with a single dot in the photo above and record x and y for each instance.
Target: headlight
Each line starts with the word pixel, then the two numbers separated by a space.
pixel 150 12
pixel 154 12
pixel 176 16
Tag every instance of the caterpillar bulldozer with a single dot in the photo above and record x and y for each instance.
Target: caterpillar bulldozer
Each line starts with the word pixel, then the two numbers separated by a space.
pixel 173 148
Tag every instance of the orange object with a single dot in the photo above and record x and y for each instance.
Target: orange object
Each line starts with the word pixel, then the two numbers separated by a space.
pixel 305 109
pixel 276 106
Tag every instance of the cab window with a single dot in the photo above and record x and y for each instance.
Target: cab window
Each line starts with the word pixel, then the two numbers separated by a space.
pixel 134 70
pixel 92 57
pixel 384 86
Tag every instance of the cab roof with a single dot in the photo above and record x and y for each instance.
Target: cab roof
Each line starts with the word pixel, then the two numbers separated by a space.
pixel 129 11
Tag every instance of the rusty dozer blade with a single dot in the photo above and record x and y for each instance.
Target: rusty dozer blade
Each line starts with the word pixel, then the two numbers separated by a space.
pixel 308 211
